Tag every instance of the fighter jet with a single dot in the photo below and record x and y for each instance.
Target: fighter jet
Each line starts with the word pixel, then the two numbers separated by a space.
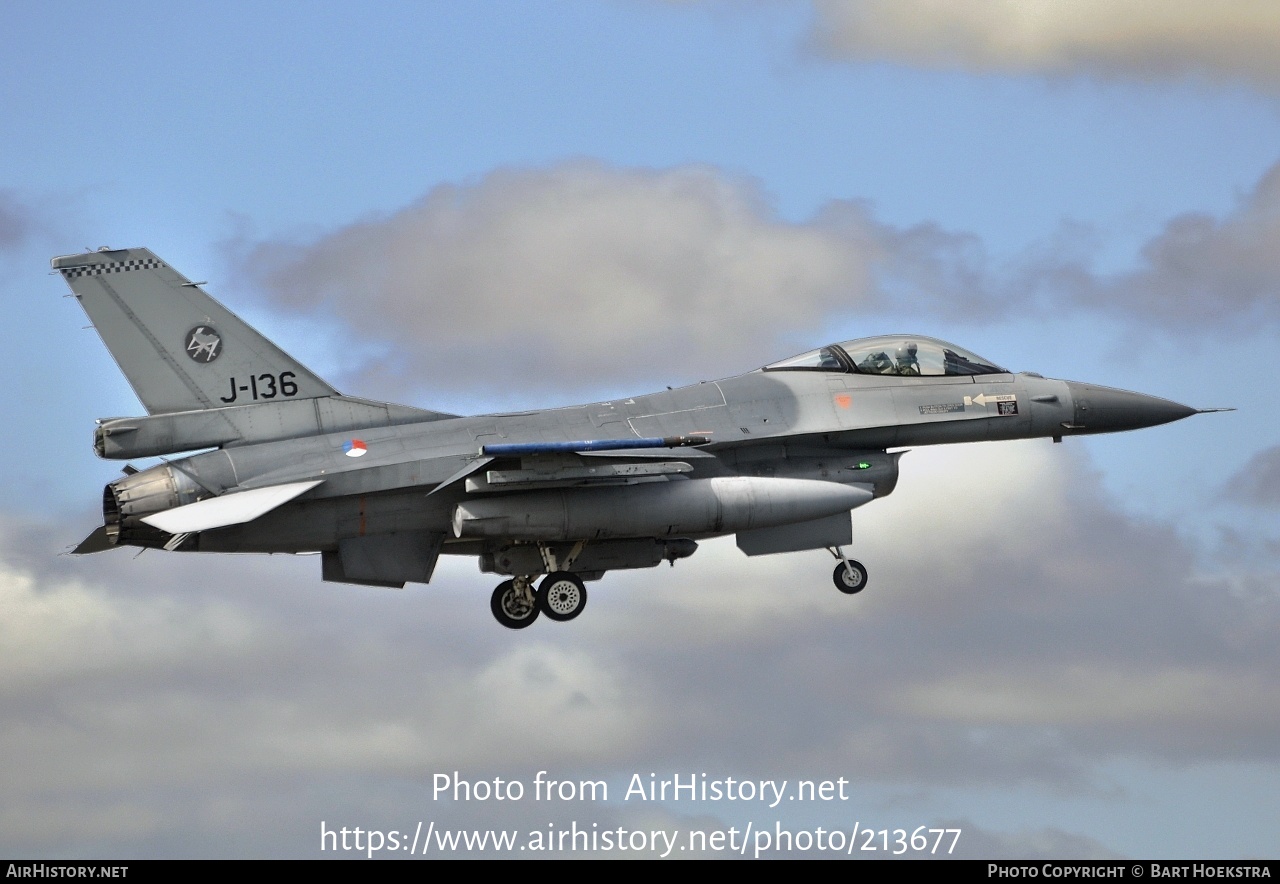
pixel 549 500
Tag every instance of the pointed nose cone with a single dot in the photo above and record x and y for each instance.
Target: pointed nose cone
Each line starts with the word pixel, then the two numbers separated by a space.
pixel 1107 410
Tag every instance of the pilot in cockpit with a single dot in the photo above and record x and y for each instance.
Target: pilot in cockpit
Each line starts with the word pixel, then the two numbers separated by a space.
pixel 908 364
pixel 876 363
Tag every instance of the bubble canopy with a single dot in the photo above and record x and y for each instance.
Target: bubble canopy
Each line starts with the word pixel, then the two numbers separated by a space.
pixel 897 355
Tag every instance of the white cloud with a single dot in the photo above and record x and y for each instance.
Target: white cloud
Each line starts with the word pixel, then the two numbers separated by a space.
pixel 1143 39
pixel 583 281
pixel 1016 629
pixel 981 843
pixel 1258 481
pixel 64 631
pixel 583 276
pixel 1202 270
pixel 1091 693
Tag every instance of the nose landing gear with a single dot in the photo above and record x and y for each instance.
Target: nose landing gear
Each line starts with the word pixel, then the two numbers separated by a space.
pixel 849 576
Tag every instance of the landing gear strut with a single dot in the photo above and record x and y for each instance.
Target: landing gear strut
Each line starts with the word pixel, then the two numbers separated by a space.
pixel 514 603
pixel 849 576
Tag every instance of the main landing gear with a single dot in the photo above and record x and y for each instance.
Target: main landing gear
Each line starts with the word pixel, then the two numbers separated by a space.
pixel 849 576
pixel 516 604
pixel 561 595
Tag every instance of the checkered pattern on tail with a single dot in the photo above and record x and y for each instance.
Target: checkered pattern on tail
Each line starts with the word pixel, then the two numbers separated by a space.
pixel 110 267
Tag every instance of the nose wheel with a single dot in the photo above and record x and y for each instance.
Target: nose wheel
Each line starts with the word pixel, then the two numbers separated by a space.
pixel 849 576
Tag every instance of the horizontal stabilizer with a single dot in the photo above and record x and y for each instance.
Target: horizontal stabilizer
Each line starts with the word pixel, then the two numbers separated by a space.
pixel 95 542
pixel 229 509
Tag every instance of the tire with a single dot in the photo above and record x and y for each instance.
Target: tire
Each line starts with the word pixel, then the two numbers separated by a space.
pixel 507 608
pixel 847 583
pixel 562 596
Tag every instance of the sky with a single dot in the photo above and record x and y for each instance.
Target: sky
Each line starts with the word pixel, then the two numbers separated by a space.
pixel 1064 651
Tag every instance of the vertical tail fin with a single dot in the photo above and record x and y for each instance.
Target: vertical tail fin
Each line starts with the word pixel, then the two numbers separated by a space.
pixel 179 348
